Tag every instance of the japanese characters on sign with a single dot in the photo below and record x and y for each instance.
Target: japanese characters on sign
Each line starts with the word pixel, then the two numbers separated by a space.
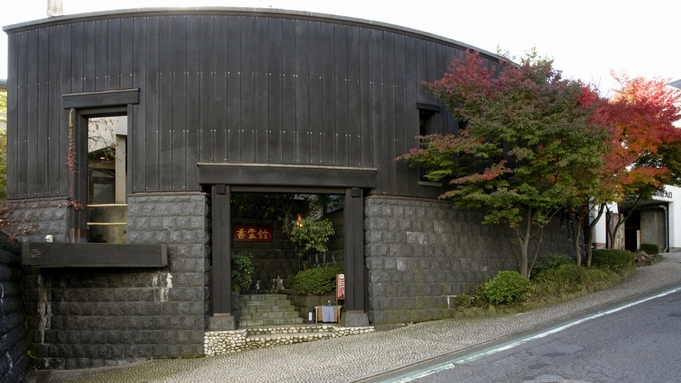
pixel 252 233
pixel 340 286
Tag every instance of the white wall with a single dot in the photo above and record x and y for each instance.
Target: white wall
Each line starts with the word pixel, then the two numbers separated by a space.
pixel 600 233
pixel 674 217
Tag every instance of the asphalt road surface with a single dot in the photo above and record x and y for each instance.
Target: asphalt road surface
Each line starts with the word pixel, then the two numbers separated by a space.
pixel 636 341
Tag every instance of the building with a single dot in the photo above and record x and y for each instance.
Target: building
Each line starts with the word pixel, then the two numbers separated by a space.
pixel 221 101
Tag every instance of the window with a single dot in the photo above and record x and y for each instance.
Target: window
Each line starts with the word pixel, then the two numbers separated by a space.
pixel 107 160
pixel 427 117
pixel 107 171
pixel 97 160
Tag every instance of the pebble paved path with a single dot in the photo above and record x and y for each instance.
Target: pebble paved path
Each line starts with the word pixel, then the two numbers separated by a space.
pixel 350 358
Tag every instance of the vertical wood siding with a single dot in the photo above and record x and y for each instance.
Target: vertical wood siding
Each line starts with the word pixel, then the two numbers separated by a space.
pixel 225 87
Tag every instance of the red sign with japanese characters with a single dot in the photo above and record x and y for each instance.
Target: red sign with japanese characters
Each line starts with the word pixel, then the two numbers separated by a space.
pixel 340 286
pixel 252 233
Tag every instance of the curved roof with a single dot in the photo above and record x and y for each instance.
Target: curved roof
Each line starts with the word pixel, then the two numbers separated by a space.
pixel 244 11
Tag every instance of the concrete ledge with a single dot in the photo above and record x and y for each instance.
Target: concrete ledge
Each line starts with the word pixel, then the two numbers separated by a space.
pixel 221 323
pixel 354 319
pixel 70 254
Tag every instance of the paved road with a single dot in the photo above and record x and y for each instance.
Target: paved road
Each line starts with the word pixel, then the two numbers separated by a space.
pixel 637 341
pixel 355 358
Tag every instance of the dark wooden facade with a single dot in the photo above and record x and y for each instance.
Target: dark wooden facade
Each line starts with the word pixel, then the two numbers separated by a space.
pixel 224 86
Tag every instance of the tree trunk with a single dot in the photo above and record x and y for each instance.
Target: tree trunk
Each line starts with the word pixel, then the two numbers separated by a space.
pixel 620 222
pixel 578 232
pixel 590 234
pixel 524 244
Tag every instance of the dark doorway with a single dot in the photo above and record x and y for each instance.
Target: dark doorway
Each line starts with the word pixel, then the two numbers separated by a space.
pixel 632 229
pixel 279 230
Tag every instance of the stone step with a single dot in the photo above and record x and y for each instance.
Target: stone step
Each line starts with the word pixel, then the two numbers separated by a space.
pixel 282 339
pixel 291 329
pixel 276 303
pixel 265 308
pixel 262 297
pixel 272 314
pixel 244 323
pixel 253 338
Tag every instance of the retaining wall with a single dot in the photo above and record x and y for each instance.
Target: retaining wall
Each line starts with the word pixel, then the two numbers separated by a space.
pixel 81 318
pixel 14 359
pixel 421 253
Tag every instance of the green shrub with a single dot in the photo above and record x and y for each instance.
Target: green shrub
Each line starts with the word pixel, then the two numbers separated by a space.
pixel 320 280
pixel 596 276
pixel 613 259
pixel 550 261
pixel 507 287
pixel 242 270
pixel 569 279
pixel 571 274
pixel 465 300
pixel 650 248
pixel 564 278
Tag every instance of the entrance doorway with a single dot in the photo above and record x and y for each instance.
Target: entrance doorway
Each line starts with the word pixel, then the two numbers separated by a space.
pixel 223 179
pixel 286 233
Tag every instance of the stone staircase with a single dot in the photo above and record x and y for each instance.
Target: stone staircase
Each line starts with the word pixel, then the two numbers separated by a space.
pixel 267 310
pixel 253 338
pixel 268 320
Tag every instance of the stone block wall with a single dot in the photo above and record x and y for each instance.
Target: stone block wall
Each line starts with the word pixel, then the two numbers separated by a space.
pixel 335 255
pixel 31 220
pixel 421 253
pixel 274 263
pixel 14 359
pixel 81 318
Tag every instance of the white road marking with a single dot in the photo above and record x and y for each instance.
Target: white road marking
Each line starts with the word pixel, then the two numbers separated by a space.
pixel 503 347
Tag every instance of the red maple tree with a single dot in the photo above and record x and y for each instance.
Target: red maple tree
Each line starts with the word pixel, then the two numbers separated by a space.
pixel 645 145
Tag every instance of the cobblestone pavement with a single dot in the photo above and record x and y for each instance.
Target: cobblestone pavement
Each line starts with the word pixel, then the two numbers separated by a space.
pixel 350 358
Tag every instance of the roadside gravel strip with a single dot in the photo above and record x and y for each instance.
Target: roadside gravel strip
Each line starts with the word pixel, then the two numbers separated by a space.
pixel 348 359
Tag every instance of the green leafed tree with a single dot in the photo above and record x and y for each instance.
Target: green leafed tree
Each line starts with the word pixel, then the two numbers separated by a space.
pixel 528 132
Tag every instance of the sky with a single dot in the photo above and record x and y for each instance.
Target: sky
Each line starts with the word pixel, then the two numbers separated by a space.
pixel 586 39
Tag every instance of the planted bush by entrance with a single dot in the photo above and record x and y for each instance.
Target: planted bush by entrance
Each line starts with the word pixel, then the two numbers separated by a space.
pixel 242 270
pixel 650 248
pixel 320 280
pixel 613 259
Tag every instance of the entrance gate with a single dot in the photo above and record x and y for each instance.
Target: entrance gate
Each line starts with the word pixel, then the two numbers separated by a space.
pixel 225 179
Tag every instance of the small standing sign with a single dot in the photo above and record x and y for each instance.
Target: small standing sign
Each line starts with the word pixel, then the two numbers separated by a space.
pixel 340 287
